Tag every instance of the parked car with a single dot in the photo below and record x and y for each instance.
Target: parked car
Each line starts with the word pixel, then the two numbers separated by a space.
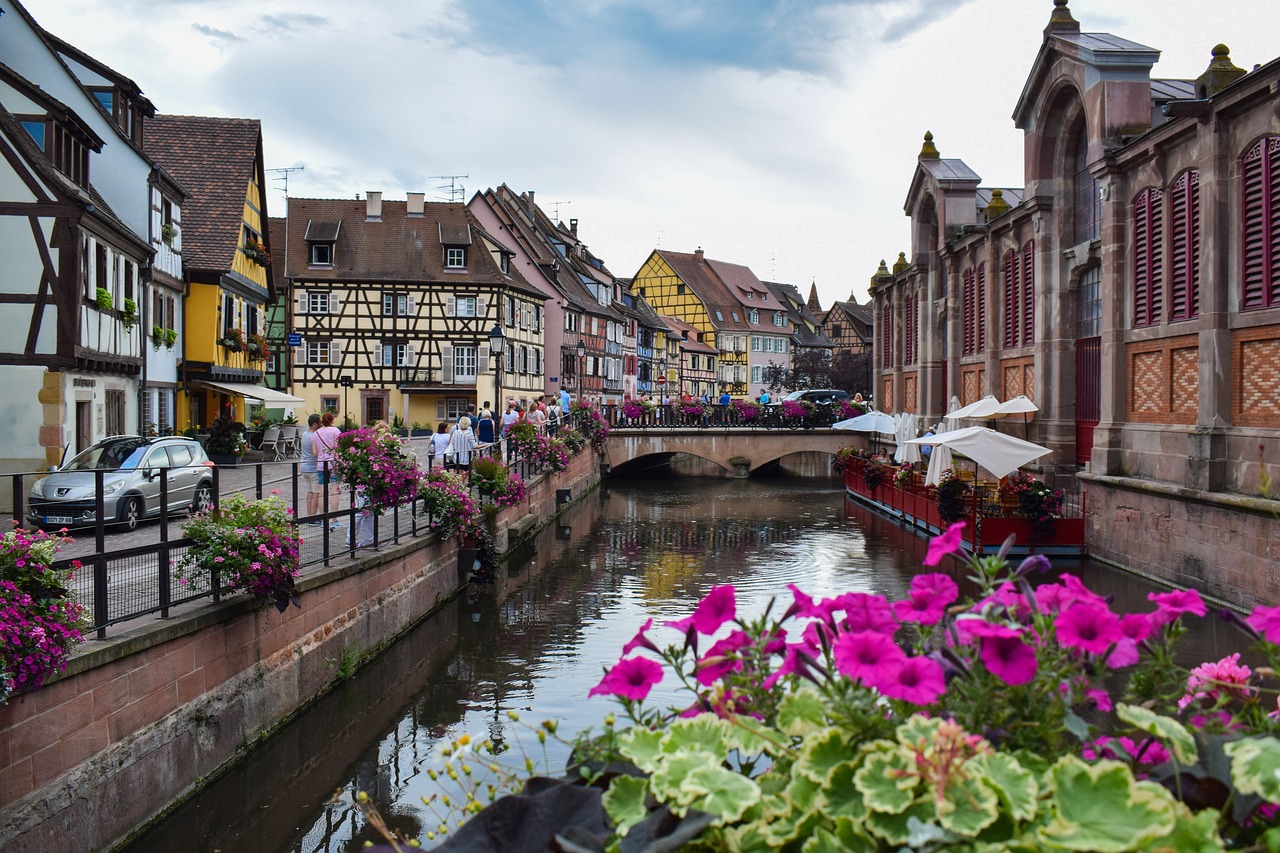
pixel 817 396
pixel 130 483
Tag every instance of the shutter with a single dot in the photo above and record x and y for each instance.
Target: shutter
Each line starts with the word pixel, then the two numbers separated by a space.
pixel 1193 216
pixel 410 355
pixel 1254 238
pixel 482 306
pixel 1029 293
pixel 980 298
pixel 413 305
pixel 1273 218
pixel 482 359
pixel 1011 312
pixel 1179 237
pixel 442 412
pixel 335 353
pixel 300 306
pixel 450 307
pixel 1156 218
pixel 335 303
pixel 299 354
pixel 377 353
pixel 966 311
pixel 446 363
pixel 177 234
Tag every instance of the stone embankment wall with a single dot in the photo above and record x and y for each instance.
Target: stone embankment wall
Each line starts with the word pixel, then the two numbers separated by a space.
pixel 141 720
pixel 1225 545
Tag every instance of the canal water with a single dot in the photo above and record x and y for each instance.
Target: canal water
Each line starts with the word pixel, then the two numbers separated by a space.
pixel 540 637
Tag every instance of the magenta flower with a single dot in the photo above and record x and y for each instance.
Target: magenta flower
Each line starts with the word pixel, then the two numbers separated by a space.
pixel 866 655
pixel 947 543
pixel 1266 621
pixel 1136 626
pixel 865 612
pixel 1007 597
pixel 717 608
pixel 927 600
pixel 630 678
pixel 792 662
pixel 722 658
pixel 1171 605
pixel 1009 658
pixel 1090 627
pixel 1124 654
pixel 1100 698
pixel 640 640
pixel 918 680
pixel 802 604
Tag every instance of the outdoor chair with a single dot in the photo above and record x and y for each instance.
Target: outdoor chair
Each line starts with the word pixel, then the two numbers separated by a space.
pixel 271 443
pixel 291 441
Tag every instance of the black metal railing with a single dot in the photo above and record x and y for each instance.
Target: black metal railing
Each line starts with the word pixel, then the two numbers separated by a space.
pixel 715 416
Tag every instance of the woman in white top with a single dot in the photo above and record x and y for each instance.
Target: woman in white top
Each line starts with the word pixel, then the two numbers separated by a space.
pixel 440 443
pixel 461 442
pixel 536 416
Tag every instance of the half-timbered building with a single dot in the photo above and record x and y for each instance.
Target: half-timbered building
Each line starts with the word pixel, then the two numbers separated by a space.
pixel 695 365
pixel 397 304
pixel 162 312
pixel 226 256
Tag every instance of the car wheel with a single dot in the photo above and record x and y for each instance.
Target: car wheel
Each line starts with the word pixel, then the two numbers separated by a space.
pixel 203 501
pixel 131 513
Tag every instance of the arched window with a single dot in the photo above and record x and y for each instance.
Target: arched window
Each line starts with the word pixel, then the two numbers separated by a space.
pixel 1184 246
pixel 1260 172
pixel 969 309
pixel 1087 204
pixel 1148 257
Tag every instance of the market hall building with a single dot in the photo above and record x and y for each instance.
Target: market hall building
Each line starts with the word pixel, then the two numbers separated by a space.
pixel 1131 289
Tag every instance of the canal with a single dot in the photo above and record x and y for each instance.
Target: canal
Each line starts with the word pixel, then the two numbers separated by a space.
pixel 537 639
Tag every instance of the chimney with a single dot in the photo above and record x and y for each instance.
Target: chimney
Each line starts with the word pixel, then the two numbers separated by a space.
pixel 415 204
pixel 530 195
pixel 373 206
pixel 697 254
pixel 573 227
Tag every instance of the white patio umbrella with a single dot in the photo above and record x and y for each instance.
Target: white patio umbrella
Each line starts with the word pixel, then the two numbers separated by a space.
pixel 1018 405
pixel 940 457
pixel 984 408
pixel 873 422
pixel 999 453
pixel 907 452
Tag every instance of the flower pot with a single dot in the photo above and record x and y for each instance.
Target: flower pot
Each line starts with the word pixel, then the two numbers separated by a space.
pixel 224 460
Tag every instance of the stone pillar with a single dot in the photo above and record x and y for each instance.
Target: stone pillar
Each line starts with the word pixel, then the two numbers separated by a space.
pixel 1107 441
pixel 53 425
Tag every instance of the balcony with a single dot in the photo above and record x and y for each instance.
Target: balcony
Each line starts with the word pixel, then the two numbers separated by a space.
pixel 421 378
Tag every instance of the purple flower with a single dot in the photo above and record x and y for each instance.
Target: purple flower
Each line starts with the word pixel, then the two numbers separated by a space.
pixel 1171 605
pixel 1090 627
pixel 866 656
pixel 918 680
pixel 630 678
pixel 947 543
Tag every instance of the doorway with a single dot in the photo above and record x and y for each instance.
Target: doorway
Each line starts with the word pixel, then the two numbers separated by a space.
pixel 375 409
pixel 84 424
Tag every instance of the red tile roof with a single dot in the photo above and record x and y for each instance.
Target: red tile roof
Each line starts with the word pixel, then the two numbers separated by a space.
pixel 691 342
pixel 702 279
pixel 214 159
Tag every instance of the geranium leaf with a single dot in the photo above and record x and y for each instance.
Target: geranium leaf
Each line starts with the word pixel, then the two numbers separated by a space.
pixel 892 827
pixel 1014 784
pixel 1100 807
pixel 705 732
pixel 839 797
pixel 845 839
pixel 750 737
pixel 967 806
pixel 1255 767
pixel 625 801
pixel 1198 834
pixel 821 754
pixel 886 781
pixel 1171 732
pixel 642 746
pixel 674 782
pixel 802 712
pixel 726 794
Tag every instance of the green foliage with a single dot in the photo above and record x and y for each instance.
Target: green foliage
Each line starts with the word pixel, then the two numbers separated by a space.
pixel 1168 730
pixel 129 316
pixel 1255 767
pixel 1101 807
pixel 102 299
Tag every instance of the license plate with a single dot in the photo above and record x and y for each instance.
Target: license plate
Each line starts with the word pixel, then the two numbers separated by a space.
pixel 57 519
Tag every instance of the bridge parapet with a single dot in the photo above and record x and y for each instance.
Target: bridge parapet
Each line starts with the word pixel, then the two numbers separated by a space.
pixel 737 451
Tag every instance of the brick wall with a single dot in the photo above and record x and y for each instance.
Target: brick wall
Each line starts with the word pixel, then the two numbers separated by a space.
pixel 910 396
pixel 1163 380
pixel 973 382
pixel 1255 390
pixel 885 403
pixel 1017 376
pixel 138 719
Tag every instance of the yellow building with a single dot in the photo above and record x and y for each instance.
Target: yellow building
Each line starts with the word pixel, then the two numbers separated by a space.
pixel 227 262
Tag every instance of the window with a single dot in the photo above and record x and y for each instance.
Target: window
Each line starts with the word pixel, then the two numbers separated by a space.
pixel 509 364
pixel 780 319
pixel 466 307
pixel 455 408
pixel 756 371
pixel 680 289
pixel 397 305
pixel 981 296
pixel 455 259
pixel 317 352
pixel 1184 247
pixel 693 362
pixel 837 331
pixel 107 98
pixel 37 129
pixel 1012 298
pixel 321 255
pixel 504 263
pixel 464 364
pixel 395 355
pixel 1089 304
pixel 230 319
pixel 537 318
pixel 1260 241
pixel 1086 201
pixel 595 325
pixel 523 366
pixel 317 302
pixel 886 336
pixel 509 311
pixel 734 315
pixel 115 412
pixel 329 404
pixel 754 317
pixel 719 316
pixel 1148 254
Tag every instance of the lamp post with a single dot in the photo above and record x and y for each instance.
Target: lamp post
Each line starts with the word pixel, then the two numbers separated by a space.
pixel 496 340
pixel 582 360
pixel 345 382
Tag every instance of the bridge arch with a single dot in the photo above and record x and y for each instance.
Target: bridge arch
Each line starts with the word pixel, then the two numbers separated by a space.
pixel 737 451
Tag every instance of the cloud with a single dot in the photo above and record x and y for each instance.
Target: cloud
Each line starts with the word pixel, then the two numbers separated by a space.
pixel 216 34
pixel 291 23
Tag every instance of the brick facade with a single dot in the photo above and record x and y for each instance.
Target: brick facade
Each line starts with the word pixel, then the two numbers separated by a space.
pixel 1163 381
pixel 1255 391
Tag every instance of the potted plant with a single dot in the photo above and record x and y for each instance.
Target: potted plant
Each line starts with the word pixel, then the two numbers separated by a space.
pixel 258 346
pixel 951 497
pixel 170 337
pixel 102 299
pixel 373 461
pixel 130 314
pixel 253 545
pixel 257 252
pixel 226 444
pixel 873 473
pixel 157 336
pixel 39 618
pixel 233 340
pixel 167 233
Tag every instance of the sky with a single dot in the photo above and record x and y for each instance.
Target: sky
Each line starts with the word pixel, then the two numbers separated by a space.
pixel 780 134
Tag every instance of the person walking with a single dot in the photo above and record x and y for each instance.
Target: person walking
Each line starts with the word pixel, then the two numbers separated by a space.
pixel 484 429
pixel 439 444
pixel 764 398
pixel 326 441
pixel 462 441
pixel 308 468
pixel 564 403
pixel 537 416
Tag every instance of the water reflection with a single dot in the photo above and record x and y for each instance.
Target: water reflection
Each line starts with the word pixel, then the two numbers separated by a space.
pixel 538 639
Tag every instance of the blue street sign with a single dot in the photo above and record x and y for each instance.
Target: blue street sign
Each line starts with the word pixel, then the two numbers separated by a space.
pixel 295 339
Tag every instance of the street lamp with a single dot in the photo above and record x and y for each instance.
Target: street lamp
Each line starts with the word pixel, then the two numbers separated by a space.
pixel 496 340
pixel 345 382
pixel 582 360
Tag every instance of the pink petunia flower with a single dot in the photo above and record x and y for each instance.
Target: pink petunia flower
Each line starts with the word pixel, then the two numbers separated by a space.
pixel 793 662
pixel 717 608
pixel 1009 658
pixel 927 600
pixel 918 680
pixel 722 658
pixel 1007 597
pixel 1171 605
pixel 1266 621
pixel 630 678
pixel 1100 698
pixel 1124 654
pixel 864 612
pixel 947 543
pixel 866 655
pixel 1211 679
pixel 802 604
pixel 1090 627
pixel 640 640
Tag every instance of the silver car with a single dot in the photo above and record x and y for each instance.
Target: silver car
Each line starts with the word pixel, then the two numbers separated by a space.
pixel 131 468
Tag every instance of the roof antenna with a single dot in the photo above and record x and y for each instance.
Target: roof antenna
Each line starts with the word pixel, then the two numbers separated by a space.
pixel 555 213
pixel 284 176
pixel 455 189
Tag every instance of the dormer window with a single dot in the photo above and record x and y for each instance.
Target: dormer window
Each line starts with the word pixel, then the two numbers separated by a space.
pixel 38 129
pixel 504 263
pixel 321 239
pixel 455 259
pixel 754 317
pixel 321 255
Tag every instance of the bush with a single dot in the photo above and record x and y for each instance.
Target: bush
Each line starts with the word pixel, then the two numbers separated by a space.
pixel 447 501
pixel 951 497
pixel 590 423
pixel 252 544
pixel 39 623
pixel 378 464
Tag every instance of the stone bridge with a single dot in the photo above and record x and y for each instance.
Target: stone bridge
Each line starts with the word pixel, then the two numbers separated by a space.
pixel 738 451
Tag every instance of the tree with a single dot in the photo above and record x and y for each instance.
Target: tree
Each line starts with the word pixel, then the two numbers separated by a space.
pixel 816 368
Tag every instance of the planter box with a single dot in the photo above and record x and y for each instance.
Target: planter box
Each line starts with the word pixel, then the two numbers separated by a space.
pixel 224 460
